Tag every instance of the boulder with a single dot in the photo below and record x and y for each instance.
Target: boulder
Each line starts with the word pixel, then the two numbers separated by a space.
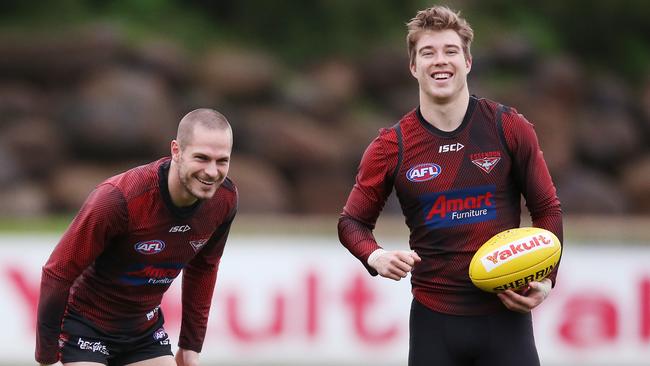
pixel 236 72
pixel 120 113
pixel 262 189
pixel 636 184
pixel 70 185
pixel 325 91
pixel 23 199
pixel 586 191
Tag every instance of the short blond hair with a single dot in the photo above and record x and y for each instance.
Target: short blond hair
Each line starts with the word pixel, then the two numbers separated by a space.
pixel 438 18
pixel 205 117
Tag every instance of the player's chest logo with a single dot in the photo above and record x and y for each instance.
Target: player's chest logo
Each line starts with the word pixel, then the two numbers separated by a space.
pixel 149 247
pixel 198 244
pixel 423 172
pixel 486 161
pixel 450 147
pixel 180 228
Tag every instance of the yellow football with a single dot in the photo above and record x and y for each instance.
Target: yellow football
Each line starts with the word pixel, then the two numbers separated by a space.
pixel 513 258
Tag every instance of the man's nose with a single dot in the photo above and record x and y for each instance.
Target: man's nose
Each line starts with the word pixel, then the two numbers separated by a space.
pixel 440 58
pixel 212 169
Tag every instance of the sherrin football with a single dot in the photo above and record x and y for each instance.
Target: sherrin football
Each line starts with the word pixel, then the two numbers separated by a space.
pixel 513 258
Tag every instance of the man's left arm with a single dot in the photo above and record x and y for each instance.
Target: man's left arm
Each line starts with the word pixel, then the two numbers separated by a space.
pixel 536 184
pixel 199 278
pixel 533 177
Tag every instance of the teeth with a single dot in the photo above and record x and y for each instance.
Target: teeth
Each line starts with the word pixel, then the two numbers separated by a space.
pixel 205 181
pixel 441 75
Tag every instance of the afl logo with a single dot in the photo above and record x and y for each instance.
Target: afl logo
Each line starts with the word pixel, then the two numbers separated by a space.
pixel 150 247
pixel 423 172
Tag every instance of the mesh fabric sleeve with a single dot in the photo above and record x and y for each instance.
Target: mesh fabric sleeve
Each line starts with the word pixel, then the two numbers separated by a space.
pixel 102 216
pixel 199 279
pixel 372 187
pixel 533 177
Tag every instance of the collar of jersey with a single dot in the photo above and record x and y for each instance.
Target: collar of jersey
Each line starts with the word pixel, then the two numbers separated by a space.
pixel 181 212
pixel 473 100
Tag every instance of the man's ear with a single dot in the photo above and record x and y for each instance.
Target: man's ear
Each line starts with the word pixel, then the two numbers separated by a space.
pixel 175 150
pixel 412 68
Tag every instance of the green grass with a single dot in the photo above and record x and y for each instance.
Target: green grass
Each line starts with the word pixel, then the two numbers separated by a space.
pixel 40 225
pixel 583 229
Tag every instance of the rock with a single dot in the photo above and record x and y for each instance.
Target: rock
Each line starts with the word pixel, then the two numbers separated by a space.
pixel 120 114
pixel 35 146
pixel 384 69
pixel 289 141
pixel 636 183
pixel 60 57
pixel 505 51
pixel 164 58
pixel 561 79
pixel 325 91
pixel 71 184
pixel 23 199
pixel 262 189
pixel 18 100
pixel 644 105
pixel 586 191
pixel 10 171
pixel 236 73
pixel 606 136
pixel 554 128
pixel 321 192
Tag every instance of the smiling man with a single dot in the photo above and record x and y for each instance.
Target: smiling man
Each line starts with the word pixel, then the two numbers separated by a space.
pixel 459 165
pixel 102 285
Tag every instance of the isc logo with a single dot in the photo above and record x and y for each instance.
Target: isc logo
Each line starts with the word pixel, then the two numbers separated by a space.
pixel 150 247
pixel 451 147
pixel 180 229
pixel 423 172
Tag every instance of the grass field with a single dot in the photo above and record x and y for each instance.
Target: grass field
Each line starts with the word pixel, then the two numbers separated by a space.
pixel 628 229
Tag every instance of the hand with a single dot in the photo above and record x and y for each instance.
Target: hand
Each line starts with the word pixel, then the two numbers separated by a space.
pixel 185 357
pixel 534 295
pixel 393 264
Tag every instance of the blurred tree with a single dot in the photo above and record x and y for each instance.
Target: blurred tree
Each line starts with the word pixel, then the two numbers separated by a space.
pixel 604 34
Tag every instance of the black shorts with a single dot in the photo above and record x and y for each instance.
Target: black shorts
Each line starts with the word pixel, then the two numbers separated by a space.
pixel 504 338
pixel 81 340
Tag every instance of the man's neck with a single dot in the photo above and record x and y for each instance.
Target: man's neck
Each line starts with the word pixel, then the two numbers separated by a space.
pixel 175 188
pixel 444 115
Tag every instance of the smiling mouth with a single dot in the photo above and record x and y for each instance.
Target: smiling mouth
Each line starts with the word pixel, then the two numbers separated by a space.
pixel 441 75
pixel 206 182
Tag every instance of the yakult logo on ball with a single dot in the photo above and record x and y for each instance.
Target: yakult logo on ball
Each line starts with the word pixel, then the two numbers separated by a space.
pixel 509 252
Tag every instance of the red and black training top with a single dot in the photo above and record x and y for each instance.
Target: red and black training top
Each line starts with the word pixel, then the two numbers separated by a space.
pixel 123 250
pixel 456 189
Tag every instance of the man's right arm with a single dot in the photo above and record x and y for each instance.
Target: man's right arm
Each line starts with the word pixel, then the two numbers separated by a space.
pixel 366 200
pixel 101 217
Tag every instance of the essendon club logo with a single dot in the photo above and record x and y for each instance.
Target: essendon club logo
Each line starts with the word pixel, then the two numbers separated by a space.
pixel 486 161
pixel 198 244
pixel 150 247
pixel 423 172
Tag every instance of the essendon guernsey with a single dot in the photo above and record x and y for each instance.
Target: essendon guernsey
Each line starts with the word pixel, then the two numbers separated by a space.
pixel 456 189
pixel 123 250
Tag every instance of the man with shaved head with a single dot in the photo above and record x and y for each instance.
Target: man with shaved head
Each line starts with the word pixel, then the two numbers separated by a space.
pixel 102 286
